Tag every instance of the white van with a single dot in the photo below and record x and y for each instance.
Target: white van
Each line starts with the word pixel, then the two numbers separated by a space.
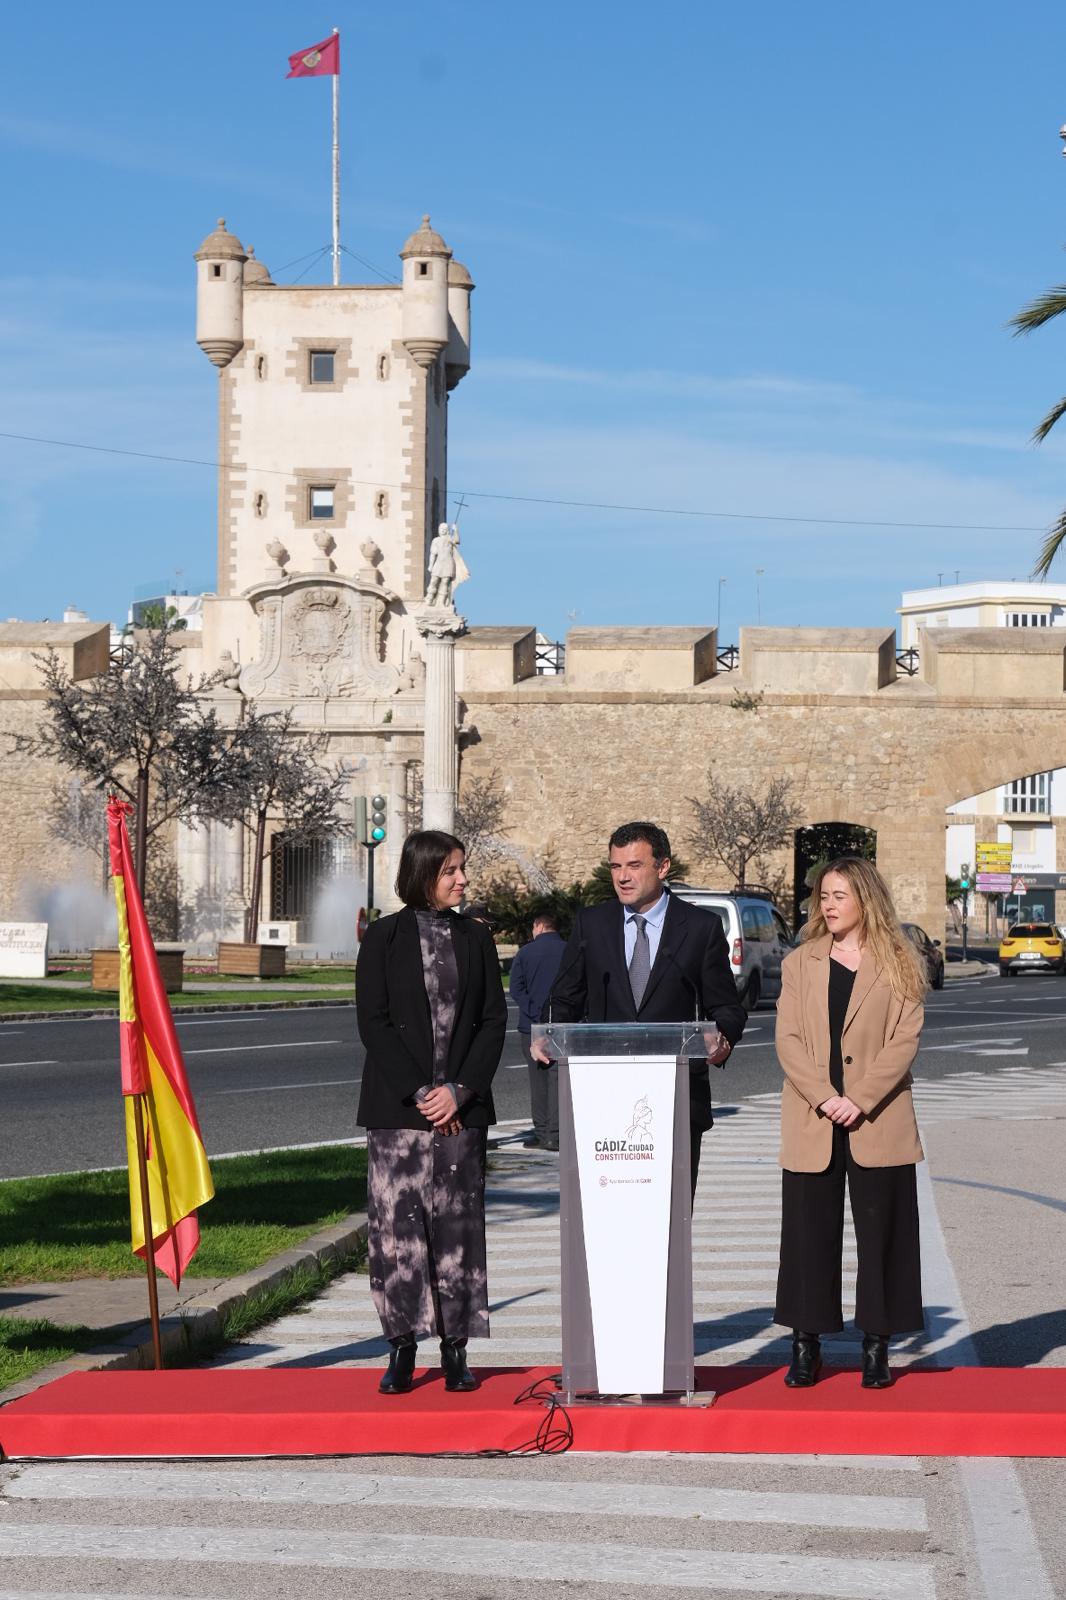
pixel 756 933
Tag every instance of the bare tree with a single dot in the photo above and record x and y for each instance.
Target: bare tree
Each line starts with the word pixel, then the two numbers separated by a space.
pixel 279 775
pixel 738 826
pixel 139 731
pixel 479 817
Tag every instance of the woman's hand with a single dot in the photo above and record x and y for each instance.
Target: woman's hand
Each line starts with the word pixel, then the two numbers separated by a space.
pixel 839 1109
pixel 439 1107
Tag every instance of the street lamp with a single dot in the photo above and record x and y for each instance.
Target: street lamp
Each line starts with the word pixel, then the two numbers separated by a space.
pixel 718 624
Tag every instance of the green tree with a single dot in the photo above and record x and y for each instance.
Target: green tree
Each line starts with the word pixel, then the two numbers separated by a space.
pixel 1044 309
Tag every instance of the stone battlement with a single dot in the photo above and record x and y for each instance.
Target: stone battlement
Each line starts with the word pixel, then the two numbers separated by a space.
pixel 972 664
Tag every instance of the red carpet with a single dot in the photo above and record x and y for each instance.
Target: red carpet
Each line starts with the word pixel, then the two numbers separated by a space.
pixel 979 1411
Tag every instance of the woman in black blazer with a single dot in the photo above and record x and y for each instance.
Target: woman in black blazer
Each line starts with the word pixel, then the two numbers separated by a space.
pixel 432 1017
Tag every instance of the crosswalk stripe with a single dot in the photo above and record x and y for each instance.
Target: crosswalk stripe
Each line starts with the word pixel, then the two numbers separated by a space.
pixel 543 1498
pixel 826 1577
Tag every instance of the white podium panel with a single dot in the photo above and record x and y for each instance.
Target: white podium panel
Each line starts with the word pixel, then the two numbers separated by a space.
pixel 623 1128
pixel 626 1204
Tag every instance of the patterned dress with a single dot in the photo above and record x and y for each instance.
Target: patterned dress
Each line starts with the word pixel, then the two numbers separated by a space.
pixel 426 1192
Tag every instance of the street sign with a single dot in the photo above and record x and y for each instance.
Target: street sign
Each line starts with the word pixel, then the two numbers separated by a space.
pixel 1019 886
pixel 994 857
pixel 994 882
pixel 360 925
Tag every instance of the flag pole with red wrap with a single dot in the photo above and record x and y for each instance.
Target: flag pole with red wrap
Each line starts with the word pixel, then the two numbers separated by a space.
pixel 169 1175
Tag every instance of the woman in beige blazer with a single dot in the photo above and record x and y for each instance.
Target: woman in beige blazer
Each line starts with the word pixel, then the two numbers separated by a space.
pixel 848 1024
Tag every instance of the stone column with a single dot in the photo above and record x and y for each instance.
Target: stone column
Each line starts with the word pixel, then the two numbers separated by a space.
pixel 439 626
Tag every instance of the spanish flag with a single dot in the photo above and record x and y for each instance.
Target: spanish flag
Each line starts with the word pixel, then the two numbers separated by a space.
pixel 179 1178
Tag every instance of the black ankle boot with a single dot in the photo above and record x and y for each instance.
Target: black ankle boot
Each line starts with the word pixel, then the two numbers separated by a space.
pixel 806 1360
pixel 876 1373
pixel 397 1379
pixel 457 1375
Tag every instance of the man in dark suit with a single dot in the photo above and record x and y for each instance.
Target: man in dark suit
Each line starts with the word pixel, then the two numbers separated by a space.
pixel 649 957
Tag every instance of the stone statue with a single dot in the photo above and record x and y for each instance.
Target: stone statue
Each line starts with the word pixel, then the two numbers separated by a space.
pixel 447 569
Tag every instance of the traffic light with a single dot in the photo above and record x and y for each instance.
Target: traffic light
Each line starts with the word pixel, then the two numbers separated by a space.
pixel 360 818
pixel 377 820
pixel 964 876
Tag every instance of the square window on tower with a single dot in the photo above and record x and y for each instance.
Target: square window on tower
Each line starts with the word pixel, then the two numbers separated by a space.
pixel 321 507
pixel 322 362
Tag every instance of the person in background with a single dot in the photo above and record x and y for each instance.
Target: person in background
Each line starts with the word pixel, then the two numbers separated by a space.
pixel 848 1025
pixel 432 1017
pixel 533 972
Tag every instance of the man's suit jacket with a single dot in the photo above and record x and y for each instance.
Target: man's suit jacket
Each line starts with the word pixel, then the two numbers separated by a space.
pixel 690 976
pixel 878 1045
pixel 392 1009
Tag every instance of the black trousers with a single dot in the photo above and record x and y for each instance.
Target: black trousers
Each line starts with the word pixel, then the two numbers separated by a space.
pixel 884 1205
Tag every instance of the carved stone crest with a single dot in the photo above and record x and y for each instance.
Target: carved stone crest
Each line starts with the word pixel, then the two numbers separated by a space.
pixel 320 637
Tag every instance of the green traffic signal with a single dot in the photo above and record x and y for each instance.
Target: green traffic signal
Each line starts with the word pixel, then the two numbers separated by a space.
pixel 377 818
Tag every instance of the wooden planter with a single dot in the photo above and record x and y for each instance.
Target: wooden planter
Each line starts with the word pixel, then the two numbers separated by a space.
pixel 252 960
pixel 171 967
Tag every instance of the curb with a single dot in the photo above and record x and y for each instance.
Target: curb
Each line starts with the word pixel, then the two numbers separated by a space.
pixel 182 1011
pixel 197 1325
pixel 973 969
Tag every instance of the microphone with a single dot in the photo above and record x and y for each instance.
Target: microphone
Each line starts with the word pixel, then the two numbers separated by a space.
pixel 689 984
pixel 578 954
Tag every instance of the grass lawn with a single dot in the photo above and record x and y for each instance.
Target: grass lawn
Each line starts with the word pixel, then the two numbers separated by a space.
pixel 77 1225
pixel 40 997
pixel 27 1346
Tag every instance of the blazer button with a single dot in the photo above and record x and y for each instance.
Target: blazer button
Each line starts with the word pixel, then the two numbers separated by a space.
pixel 847 1061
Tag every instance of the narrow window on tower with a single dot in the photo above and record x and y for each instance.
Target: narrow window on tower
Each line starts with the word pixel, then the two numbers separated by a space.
pixel 423 269
pixel 216 270
pixel 383 367
pixel 381 504
pixel 260 366
pixel 322 362
pixel 260 503
pixel 321 498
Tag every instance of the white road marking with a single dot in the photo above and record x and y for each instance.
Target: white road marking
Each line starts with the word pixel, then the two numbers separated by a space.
pixel 270 1486
pixel 825 1577
pixel 1005 1540
pixel 29 1063
pixel 243 1049
pixel 275 1088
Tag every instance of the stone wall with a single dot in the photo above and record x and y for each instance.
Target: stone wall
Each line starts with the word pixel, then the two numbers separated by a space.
pixel 577 760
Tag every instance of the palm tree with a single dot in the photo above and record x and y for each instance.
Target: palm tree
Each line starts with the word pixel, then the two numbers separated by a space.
pixel 1048 305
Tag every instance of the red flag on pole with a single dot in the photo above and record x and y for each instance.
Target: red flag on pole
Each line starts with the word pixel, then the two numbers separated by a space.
pixel 318 60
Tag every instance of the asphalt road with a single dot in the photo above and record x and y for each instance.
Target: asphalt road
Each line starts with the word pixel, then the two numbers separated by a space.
pixel 266 1079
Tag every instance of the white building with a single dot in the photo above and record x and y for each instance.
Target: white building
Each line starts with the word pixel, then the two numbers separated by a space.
pixel 1027 810
pixel 333 451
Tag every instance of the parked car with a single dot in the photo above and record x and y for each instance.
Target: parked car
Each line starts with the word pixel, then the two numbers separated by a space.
pixel 756 933
pixel 930 951
pixel 1032 947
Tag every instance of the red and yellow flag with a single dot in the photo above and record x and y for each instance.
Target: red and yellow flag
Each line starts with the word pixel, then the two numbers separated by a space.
pixel 179 1178
pixel 322 60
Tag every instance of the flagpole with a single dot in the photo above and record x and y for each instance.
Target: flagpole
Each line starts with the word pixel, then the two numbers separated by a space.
pixel 146 1222
pixel 336 176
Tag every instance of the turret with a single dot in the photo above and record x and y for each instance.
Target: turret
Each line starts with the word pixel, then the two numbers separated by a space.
pixel 460 288
pixel 425 259
pixel 256 275
pixel 220 295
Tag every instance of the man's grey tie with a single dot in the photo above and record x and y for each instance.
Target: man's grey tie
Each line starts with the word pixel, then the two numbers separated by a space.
pixel 640 965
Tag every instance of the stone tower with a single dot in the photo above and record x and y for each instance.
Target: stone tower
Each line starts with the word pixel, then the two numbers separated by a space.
pixel 333 430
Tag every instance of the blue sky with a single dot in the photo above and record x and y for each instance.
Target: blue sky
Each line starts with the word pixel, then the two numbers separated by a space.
pixel 748 259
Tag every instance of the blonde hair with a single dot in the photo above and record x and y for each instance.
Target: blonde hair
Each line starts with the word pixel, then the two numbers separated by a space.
pixel 879 929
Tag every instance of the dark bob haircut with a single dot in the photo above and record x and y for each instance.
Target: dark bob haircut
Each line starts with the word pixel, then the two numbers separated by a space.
pixel 641 833
pixel 421 859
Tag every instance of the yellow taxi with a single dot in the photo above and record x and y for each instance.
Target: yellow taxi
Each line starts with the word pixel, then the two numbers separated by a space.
pixel 1031 947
